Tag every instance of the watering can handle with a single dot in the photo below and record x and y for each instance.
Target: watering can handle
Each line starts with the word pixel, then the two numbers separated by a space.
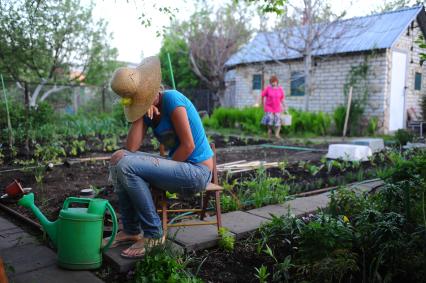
pixel 74 199
pixel 114 227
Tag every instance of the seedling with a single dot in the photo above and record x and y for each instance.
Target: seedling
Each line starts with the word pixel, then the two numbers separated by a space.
pixel 262 274
pixel 226 239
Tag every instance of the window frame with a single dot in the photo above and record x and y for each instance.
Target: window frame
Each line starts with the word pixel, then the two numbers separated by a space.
pixel 259 77
pixel 294 90
pixel 417 81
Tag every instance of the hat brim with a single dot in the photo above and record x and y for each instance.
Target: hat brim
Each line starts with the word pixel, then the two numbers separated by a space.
pixel 135 112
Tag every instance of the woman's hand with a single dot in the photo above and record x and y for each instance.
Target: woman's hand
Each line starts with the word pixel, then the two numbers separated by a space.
pixel 153 110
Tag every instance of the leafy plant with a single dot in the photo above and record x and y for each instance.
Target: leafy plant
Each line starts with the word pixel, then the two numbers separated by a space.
pixel 49 153
pixel 262 274
pixel 159 265
pixel 281 270
pixel 403 137
pixel 226 239
pixel 77 147
pixel 372 126
pixel 110 144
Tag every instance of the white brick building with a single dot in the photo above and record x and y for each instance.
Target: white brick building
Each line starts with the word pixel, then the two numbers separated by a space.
pixel 386 43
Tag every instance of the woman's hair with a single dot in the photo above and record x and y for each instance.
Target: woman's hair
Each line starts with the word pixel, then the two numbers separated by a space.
pixel 273 79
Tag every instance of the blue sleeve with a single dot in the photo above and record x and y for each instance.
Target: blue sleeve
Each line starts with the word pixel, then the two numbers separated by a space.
pixel 173 99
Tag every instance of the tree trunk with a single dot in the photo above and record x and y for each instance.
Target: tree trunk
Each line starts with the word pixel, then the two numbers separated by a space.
pixel 307 70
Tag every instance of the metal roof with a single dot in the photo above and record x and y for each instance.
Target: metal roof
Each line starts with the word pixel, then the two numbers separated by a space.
pixel 377 31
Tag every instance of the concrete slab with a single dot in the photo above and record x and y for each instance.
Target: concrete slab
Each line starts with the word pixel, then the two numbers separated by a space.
pixel 15 237
pixel 27 258
pixel 55 274
pixel 302 206
pixel 241 223
pixel 122 264
pixel 6 225
pixel 194 238
pixel 266 211
pixel 118 262
pixel 321 200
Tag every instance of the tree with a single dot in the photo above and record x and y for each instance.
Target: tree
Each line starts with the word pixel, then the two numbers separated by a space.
pixel 45 41
pixel 302 30
pixel 395 5
pixel 178 49
pixel 212 37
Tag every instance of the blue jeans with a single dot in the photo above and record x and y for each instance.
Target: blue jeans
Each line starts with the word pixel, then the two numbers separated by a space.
pixel 133 174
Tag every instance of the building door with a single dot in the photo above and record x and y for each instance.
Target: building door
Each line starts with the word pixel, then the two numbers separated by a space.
pixel 397 95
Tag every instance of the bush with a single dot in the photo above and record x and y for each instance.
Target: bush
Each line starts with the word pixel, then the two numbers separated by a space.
pixel 354 122
pixel 248 119
pixel 403 137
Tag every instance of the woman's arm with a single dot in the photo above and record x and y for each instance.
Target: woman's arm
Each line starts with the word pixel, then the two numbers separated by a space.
pixel 180 123
pixel 135 135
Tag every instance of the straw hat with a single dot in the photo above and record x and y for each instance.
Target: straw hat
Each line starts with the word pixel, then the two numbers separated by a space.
pixel 138 87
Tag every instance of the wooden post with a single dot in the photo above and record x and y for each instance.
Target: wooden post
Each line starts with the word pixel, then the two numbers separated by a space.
pixel 348 110
pixel 27 119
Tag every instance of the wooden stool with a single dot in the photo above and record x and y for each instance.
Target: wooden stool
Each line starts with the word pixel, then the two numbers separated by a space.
pixel 213 190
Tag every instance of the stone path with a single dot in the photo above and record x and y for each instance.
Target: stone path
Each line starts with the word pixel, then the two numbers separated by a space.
pixel 239 223
pixel 27 260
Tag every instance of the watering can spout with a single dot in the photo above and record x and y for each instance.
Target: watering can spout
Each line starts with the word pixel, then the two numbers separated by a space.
pixel 48 226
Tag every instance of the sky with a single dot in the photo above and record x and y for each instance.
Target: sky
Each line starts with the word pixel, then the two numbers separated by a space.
pixel 135 41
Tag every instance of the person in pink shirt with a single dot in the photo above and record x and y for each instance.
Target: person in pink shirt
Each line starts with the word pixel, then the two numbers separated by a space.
pixel 272 99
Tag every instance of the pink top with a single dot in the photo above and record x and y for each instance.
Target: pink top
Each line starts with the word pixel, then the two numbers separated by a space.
pixel 273 98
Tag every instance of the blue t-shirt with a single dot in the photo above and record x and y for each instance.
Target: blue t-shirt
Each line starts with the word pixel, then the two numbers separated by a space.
pixel 166 134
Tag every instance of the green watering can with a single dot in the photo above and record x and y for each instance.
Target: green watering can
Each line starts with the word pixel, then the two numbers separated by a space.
pixel 77 234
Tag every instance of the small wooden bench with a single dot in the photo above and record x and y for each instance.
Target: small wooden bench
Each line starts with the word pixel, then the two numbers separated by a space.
pixel 213 190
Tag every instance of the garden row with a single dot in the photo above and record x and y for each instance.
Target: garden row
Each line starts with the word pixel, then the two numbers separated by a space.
pixel 361 237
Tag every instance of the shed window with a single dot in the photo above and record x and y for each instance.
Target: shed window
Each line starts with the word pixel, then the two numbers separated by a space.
pixel 257 81
pixel 418 81
pixel 297 84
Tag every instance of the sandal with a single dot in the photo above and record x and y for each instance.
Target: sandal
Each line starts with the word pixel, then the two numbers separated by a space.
pixel 119 242
pixel 138 247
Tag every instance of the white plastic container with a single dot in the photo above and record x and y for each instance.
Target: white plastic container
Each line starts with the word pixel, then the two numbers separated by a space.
pixel 349 152
pixel 376 145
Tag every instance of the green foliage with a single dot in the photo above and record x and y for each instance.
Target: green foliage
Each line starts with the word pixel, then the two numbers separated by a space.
pixel 49 153
pixel 348 203
pixel 178 50
pixel 372 126
pixel 262 274
pixel 46 37
pixel 248 120
pixel 403 136
pixel 77 147
pixel 226 239
pixel 264 190
pixel 354 123
pixel 322 236
pixel 159 265
pixel 363 237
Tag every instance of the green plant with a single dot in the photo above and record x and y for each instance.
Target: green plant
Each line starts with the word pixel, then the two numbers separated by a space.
pixel 372 126
pixel 77 147
pixel 226 239
pixel 159 265
pixel 403 137
pixel 155 144
pixel 281 270
pixel 49 153
pixel 262 274
pixel 110 144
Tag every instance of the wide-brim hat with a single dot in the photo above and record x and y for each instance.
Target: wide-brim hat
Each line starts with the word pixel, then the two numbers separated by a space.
pixel 138 86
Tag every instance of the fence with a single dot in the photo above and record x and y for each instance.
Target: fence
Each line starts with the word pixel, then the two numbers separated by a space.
pixel 97 98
